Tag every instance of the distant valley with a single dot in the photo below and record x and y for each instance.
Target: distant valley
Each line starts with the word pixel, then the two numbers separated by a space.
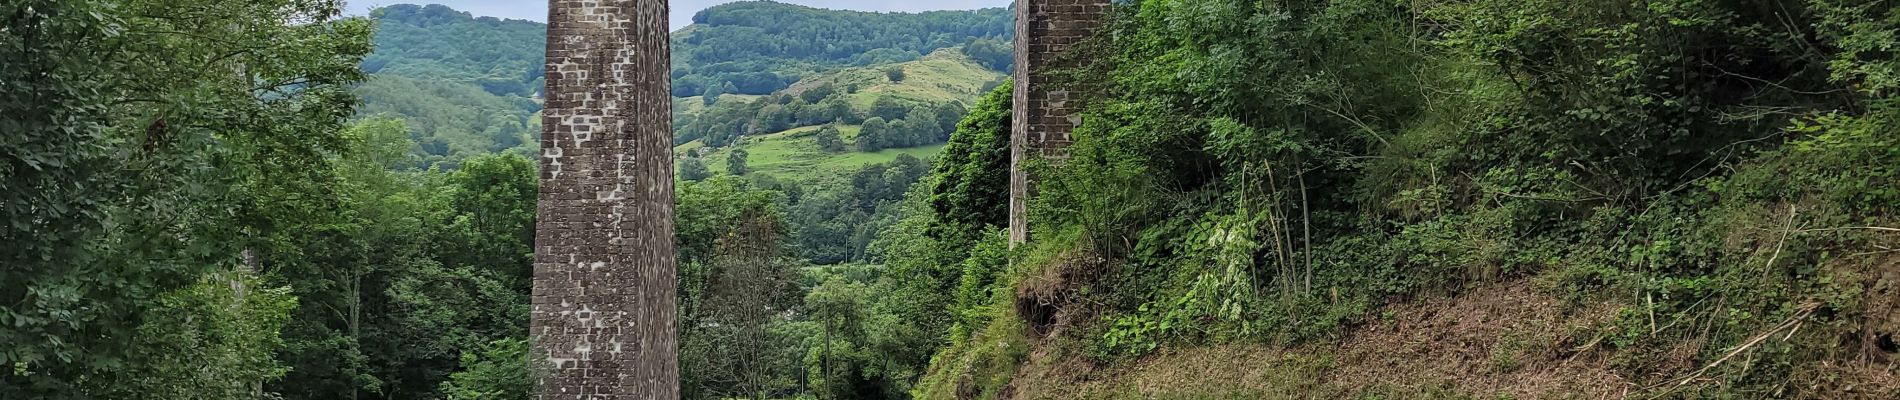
pixel 761 78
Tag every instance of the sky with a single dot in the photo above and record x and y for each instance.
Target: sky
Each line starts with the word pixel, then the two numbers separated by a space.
pixel 683 10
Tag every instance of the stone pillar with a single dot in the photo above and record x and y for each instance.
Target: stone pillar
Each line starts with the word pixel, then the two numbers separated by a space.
pixel 1043 116
pixel 603 313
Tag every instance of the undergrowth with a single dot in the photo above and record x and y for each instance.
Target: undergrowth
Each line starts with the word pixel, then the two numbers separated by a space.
pixel 1728 172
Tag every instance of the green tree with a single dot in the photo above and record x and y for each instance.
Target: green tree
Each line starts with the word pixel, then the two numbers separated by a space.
pixel 499 371
pixel 736 162
pixel 692 169
pixel 905 133
pixel 465 85
pixel 830 139
pixel 732 280
pixel 874 136
pixel 994 54
pixel 889 108
pixel 491 222
pixel 926 125
pixel 151 156
pixel 214 339
pixel 945 256
pixel 712 95
pixel 948 115
pixel 819 93
pixel 840 110
pixel 835 222
pixel 771 118
pixel 971 190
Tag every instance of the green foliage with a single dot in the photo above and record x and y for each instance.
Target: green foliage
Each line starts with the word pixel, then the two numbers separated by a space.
pixel 830 139
pixel 937 90
pixel 994 54
pixel 949 258
pixel 762 47
pixel 692 169
pixel 1247 171
pixel 469 86
pixel 466 86
pixel 222 235
pixel 711 96
pixel 977 284
pixel 736 286
pixel 735 162
pixel 889 108
pixel 836 221
pixel 499 371
pixel 983 366
pixel 440 43
pixel 863 350
pixel 875 135
pixel 819 93
pixel 1862 31
pixel 971 190
pixel 452 120
pixel 411 271
pixel 492 206
pixel 146 152
pixel 922 126
pixel 1673 77
pixel 1273 171
pixel 216 339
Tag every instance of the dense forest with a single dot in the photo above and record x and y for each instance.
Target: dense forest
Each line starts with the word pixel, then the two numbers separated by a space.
pixel 265 199
pixel 464 86
pixel 343 207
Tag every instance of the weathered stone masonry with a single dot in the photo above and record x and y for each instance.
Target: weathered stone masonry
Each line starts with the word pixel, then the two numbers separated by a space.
pixel 604 281
pixel 1043 117
pixel 603 321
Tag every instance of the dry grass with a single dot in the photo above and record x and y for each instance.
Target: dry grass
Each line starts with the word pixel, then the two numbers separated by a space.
pixel 1498 340
pixel 1502 340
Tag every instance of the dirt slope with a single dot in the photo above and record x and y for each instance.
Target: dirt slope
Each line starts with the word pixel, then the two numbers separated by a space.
pixel 1503 340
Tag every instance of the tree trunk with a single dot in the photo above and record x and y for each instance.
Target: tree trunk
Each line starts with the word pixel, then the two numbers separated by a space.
pixel 604 282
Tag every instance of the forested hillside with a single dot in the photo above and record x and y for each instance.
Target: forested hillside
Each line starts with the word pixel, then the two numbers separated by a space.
pixel 343 207
pixel 469 86
pixel 791 166
pixel 265 199
pixel 465 86
pixel 759 47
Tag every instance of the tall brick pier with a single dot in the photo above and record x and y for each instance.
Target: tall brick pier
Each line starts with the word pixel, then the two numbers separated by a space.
pixel 603 319
pixel 604 277
pixel 1043 115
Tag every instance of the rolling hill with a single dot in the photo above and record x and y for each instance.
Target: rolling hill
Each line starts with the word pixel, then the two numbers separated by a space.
pixel 945 76
pixel 760 47
pixel 469 85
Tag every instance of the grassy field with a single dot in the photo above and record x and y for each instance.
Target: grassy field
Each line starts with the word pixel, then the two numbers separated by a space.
pixel 794 154
pixel 944 76
pixel 940 77
pixel 696 104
